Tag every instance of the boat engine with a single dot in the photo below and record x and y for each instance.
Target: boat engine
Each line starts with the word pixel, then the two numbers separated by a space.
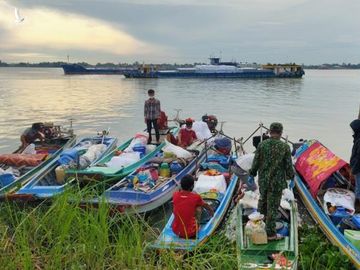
pixel 211 121
pixel 50 130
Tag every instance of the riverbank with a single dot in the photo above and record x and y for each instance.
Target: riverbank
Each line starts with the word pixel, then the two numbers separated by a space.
pixel 63 236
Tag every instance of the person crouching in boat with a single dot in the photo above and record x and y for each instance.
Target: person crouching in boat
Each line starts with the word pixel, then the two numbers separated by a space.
pixel 273 162
pixel 31 134
pixel 355 158
pixel 187 209
pixel 186 135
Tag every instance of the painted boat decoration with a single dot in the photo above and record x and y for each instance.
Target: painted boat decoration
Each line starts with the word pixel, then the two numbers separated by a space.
pixel 256 256
pixel 149 186
pixel 51 181
pixel 26 165
pixel 318 173
pixel 220 201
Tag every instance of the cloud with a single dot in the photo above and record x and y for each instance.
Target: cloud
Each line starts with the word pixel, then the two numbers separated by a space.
pixel 49 29
pixel 191 30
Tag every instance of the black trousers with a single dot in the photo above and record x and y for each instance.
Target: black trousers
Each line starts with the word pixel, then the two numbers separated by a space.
pixel 153 123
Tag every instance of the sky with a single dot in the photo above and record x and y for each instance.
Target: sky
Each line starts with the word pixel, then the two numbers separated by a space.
pixel 186 31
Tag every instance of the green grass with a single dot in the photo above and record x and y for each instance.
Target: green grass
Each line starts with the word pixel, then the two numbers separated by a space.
pixel 63 236
pixel 316 252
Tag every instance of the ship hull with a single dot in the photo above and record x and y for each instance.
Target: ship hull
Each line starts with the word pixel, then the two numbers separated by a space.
pixel 240 75
pixel 75 69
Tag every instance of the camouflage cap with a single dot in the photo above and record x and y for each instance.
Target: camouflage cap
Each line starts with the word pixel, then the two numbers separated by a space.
pixel 276 126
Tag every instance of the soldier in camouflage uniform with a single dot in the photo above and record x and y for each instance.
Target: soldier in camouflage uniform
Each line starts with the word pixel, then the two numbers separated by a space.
pixel 273 162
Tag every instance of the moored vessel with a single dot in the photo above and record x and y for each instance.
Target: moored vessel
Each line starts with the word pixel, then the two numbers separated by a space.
pixel 218 69
pixel 76 69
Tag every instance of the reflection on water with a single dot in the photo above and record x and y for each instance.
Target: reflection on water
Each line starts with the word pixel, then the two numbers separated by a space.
pixel 320 105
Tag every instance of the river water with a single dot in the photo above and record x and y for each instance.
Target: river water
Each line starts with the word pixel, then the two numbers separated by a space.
pixel 320 105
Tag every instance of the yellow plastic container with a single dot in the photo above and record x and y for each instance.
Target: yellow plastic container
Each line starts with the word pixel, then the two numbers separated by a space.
pixel 353 237
pixel 164 170
pixel 60 174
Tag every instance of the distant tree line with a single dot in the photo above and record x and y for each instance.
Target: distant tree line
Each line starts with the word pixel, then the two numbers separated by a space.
pixel 108 65
pixel 334 66
pixel 159 66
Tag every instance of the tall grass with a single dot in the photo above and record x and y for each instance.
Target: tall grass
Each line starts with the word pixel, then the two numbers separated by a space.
pixel 316 253
pixel 62 235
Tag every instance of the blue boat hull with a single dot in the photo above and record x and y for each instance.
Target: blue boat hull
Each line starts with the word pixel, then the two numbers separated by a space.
pixel 324 221
pixel 169 240
pixel 131 200
pixel 44 184
pixel 75 69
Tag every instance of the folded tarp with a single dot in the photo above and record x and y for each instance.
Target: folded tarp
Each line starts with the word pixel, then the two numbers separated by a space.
pixel 18 160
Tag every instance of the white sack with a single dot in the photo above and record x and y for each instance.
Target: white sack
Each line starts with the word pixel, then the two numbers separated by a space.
pixel 125 159
pixel 206 183
pixel 176 150
pixel 245 161
pixel 340 197
pixel 202 130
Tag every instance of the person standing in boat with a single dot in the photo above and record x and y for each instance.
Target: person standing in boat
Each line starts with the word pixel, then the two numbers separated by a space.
pixel 31 134
pixel 152 114
pixel 273 162
pixel 355 157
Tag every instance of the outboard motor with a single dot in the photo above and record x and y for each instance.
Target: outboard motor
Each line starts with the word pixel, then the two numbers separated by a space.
pixel 211 121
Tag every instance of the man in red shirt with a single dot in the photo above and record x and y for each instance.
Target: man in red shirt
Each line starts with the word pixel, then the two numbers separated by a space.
pixel 187 205
pixel 186 135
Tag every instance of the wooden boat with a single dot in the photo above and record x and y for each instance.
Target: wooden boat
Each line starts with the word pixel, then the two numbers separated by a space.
pixel 57 139
pixel 279 254
pixel 251 256
pixel 133 194
pixel 220 203
pixel 318 170
pixel 101 172
pixel 51 182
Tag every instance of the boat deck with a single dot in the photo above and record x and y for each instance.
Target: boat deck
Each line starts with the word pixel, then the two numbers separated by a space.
pixel 283 244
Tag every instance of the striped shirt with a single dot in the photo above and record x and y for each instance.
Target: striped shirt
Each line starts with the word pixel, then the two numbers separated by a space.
pixel 152 109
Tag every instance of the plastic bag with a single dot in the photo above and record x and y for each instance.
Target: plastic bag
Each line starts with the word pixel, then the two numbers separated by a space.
pixel 245 161
pixel 140 138
pixel 93 153
pixel 202 130
pixel 29 150
pixel 340 198
pixel 177 150
pixel 206 183
pixel 250 199
pixel 125 159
